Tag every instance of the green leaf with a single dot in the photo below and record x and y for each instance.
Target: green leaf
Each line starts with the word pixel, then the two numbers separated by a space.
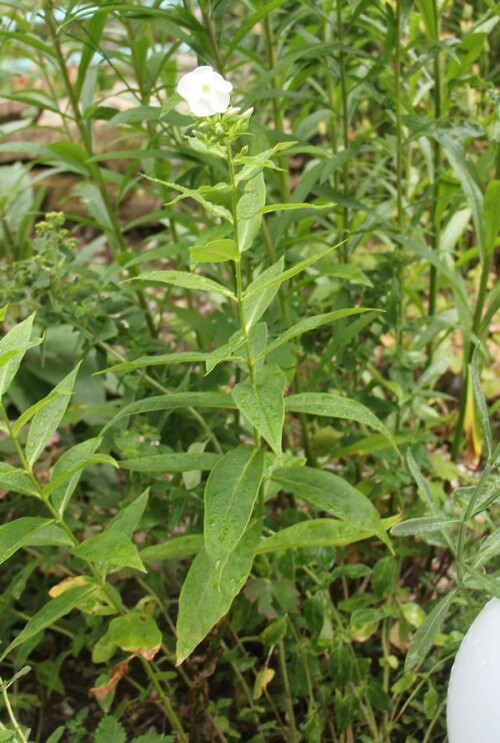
pixel 50 613
pixel 334 406
pixel 230 494
pixel 46 420
pixel 162 359
pixel 17 533
pixel 492 215
pixel 466 173
pixel 70 466
pixel 175 462
pixel 185 280
pixel 13 478
pixel 56 735
pixel 73 156
pixel 258 285
pixel 314 533
pixel 424 637
pixel 428 11
pixel 249 211
pixel 17 340
pixel 350 273
pixel 127 519
pixel 112 548
pixel 480 401
pixel 28 414
pixel 109 729
pixel 291 206
pixel 422 525
pixel 248 23
pixel 311 323
pixel 263 404
pixel 225 351
pixel 215 251
pixel 256 304
pixel 197 195
pixel 332 494
pixel 174 549
pixel 134 632
pixel 173 402
pixel 137 114
pixel 207 593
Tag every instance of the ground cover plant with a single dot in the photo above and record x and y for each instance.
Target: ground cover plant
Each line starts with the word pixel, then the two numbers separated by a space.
pixel 248 370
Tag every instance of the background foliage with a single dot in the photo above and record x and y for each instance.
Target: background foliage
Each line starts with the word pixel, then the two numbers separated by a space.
pixel 208 430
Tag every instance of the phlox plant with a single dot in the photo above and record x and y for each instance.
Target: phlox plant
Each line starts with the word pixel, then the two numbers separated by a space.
pixel 243 478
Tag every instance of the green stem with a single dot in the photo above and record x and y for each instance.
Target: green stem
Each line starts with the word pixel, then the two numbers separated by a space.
pixel 277 112
pixel 239 279
pixel 292 737
pixel 469 513
pixel 209 27
pixel 467 356
pixel 345 124
pixel 20 735
pixel 435 206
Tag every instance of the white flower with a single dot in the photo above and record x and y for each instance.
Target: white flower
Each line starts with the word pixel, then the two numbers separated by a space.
pixel 206 91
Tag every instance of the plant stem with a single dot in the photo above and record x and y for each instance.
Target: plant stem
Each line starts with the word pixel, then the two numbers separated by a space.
pixel 209 26
pixel 435 206
pixel 288 697
pixel 277 112
pixel 20 735
pixel 467 356
pixel 345 125
pixel 239 279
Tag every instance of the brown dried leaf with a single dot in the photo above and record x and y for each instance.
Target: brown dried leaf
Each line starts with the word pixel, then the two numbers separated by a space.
pixel 117 673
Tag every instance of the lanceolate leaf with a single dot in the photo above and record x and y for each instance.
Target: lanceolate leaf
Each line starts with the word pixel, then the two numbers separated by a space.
pixel 332 494
pixel 165 359
pixel 314 533
pixel 249 211
pixel 50 613
pixel 207 593
pixel 254 306
pixel 426 634
pixel 334 406
pixel 13 478
pixel 70 462
pixel 216 251
pixel 174 462
pixel 16 533
pixel 258 285
pixel 230 494
pixel 127 519
pixel 263 405
pixel 311 323
pixel 17 340
pixel 185 280
pixel 112 548
pixel 466 173
pixel 46 420
pixel 174 549
pixel 173 402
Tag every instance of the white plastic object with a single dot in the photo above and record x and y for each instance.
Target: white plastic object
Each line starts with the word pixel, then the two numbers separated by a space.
pixel 473 709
